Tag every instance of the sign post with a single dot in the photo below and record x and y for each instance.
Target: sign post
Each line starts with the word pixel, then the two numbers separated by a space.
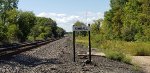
pixel 81 28
pixel 89 45
pixel 74 46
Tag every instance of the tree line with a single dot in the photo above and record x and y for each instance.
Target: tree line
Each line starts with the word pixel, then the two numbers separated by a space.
pixel 20 26
pixel 127 20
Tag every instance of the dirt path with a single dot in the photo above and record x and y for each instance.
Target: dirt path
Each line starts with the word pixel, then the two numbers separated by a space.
pixel 142 61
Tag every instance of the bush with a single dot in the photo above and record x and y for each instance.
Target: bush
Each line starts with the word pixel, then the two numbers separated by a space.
pixel 31 38
pixel 118 56
pixel 114 55
pixel 82 40
pixel 13 33
pixel 127 60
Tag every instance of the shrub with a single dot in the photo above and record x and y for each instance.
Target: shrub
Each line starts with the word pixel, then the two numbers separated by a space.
pixel 118 56
pixel 31 38
pixel 114 55
pixel 127 59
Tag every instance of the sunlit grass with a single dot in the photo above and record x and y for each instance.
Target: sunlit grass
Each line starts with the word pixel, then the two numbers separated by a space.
pixel 82 40
pixel 131 48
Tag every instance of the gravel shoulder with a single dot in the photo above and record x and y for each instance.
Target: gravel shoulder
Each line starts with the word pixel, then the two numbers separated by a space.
pixel 56 57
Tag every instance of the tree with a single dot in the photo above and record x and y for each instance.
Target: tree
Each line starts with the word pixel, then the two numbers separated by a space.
pixel 48 21
pixel 95 27
pixel 127 20
pixel 43 29
pixel 25 22
pixel 61 32
pixel 6 5
pixel 12 16
pixel 13 33
pixel 3 36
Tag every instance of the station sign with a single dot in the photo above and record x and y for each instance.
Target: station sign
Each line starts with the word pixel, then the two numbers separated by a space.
pixel 81 28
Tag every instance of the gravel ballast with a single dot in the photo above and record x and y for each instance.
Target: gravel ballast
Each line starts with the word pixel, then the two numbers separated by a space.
pixel 57 57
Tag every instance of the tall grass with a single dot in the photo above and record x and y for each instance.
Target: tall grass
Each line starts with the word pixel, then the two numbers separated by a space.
pixel 82 40
pixel 132 48
pixel 119 56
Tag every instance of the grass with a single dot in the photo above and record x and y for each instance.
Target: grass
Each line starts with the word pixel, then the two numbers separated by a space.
pixel 118 56
pixel 111 54
pixel 132 48
pixel 118 50
pixel 82 40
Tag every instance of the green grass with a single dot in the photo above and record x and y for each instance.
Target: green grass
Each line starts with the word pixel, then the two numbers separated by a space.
pixel 118 56
pixel 111 54
pixel 82 40
pixel 117 50
pixel 131 48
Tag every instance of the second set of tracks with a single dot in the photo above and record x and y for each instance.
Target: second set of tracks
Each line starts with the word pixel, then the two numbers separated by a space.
pixel 16 49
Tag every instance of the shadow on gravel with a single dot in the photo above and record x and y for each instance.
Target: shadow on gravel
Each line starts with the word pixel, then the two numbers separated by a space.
pixel 28 61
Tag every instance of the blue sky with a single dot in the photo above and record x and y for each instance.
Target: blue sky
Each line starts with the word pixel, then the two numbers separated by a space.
pixel 67 12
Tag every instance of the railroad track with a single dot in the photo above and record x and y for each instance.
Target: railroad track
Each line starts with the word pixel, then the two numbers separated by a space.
pixel 16 49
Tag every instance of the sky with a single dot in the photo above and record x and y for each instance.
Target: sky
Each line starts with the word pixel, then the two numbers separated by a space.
pixel 67 12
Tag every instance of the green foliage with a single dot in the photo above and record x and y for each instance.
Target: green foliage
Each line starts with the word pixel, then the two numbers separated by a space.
pixel 127 20
pixel 114 55
pixel 82 40
pixel 97 40
pixel 31 38
pixel 42 36
pixel 43 29
pixel 26 21
pixel 60 32
pixel 131 48
pixel 12 16
pixel 12 33
pixel 41 21
pixel 127 59
pixel 3 35
pixel 6 5
pixel 117 55
pixel 19 26
pixel 95 27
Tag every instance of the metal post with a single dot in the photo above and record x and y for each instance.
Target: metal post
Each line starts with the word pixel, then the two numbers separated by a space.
pixel 74 46
pixel 89 44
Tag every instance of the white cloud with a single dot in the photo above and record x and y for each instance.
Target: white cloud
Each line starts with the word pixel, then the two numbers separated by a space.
pixel 66 21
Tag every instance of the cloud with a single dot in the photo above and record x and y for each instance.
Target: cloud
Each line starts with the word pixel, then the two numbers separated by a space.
pixel 66 21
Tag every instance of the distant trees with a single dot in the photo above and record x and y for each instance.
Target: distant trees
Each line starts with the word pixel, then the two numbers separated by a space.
pixel 44 28
pixel 128 20
pixel 60 32
pixel 20 26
